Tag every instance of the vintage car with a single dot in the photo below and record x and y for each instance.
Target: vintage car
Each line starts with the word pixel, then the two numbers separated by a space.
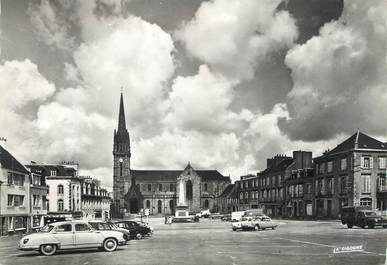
pixel 362 216
pixel 70 235
pixel 101 225
pixel 257 222
pixel 238 224
pixel 135 229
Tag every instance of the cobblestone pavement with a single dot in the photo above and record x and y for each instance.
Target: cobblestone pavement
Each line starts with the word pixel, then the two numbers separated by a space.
pixel 213 242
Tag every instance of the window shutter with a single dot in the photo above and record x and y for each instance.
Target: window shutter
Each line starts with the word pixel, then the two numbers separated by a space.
pixel 371 162
pixel 362 162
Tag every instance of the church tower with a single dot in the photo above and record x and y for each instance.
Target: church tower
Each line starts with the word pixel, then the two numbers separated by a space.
pixel 121 162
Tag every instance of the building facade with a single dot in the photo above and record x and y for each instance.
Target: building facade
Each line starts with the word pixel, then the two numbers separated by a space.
pixel 353 173
pixel 95 200
pixel 64 191
pixel 157 190
pixel 14 195
pixel 38 198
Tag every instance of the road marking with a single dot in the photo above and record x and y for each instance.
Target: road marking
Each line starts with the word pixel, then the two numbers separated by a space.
pixel 306 242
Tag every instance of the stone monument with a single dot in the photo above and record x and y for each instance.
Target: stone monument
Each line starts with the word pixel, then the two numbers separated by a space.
pixel 182 214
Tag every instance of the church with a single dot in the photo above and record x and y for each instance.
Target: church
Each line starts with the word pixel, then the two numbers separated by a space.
pixel 157 190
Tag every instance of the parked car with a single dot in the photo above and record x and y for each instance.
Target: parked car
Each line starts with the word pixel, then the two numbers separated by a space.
pixel 362 217
pixel 101 225
pixel 216 216
pixel 257 223
pixel 205 213
pixel 135 229
pixel 70 235
pixel 237 225
pixel 226 217
pixel 147 225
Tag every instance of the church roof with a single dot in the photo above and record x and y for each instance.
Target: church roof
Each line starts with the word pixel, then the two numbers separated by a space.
pixel 172 175
pixel 9 162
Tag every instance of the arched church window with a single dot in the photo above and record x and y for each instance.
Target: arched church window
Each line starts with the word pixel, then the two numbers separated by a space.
pixel 206 204
pixel 120 168
pixel 188 188
pixel 160 187
pixel 149 187
pixel 205 187
pixel 147 204
pixel 171 187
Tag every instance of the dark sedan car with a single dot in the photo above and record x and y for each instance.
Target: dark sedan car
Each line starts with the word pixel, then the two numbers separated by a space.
pixel 135 229
pixel 101 225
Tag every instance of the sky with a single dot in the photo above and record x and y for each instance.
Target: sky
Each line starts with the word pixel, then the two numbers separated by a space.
pixel 222 84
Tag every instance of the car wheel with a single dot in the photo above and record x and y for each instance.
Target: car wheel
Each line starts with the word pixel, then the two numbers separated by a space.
pixel 256 227
pixel 349 225
pixel 110 245
pixel 138 236
pixel 234 229
pixel 363 226
pixel 371 225
pixel 263 228
pixel 273 227
pixel 48 250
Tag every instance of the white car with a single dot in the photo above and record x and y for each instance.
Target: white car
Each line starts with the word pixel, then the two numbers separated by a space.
pixel 257 223
pixel 238 225
pixel 71 235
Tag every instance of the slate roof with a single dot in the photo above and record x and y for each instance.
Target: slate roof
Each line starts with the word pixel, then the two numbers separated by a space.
pixel 363 142
pixel 282 166
pixel 171 175
pixel 60 170
pixel 9 162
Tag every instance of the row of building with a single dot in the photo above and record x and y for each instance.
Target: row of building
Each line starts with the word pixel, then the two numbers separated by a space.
pixel 35 194
pixel 353 173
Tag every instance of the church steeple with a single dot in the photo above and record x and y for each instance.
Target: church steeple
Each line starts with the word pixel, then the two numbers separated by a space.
pixel 121 162
pixel 121 115
pixel 121 136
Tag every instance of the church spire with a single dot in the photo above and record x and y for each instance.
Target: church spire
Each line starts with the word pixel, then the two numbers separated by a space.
pixel 121 115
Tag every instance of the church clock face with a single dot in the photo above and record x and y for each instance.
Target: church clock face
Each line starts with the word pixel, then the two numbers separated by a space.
pixel 121 160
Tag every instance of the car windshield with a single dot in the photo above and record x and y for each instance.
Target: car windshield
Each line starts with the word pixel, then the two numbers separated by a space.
pixel 371 213
pixel 245 219
pixel 46 228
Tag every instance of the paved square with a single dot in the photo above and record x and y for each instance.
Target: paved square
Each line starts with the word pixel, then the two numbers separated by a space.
pixel 213 242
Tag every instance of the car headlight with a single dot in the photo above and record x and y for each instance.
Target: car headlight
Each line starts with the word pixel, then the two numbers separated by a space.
pixel 25 241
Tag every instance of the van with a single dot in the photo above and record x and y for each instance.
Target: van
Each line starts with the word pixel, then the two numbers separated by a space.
pixel 362 217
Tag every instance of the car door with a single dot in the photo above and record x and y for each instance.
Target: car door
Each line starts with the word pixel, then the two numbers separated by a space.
pixel 65 236
pixel 264 222
pixel 86 237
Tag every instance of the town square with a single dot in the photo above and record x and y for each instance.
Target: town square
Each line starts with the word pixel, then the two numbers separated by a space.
pixel 193 132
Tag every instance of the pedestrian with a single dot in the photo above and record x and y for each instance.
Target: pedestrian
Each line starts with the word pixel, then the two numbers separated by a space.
pixel 170 220
pixel 165 220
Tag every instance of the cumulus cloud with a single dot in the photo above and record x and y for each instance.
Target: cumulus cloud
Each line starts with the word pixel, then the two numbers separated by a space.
pixel 135 55
pixel 201 102
pixel 340 76
pixel 235 36
pixel 21 83
pixel 53 21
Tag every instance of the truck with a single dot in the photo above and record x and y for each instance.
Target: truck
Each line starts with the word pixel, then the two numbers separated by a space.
pixel 361 217
pixel 236 216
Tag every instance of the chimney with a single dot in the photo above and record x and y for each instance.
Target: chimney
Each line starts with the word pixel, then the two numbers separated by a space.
pixel 302 159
